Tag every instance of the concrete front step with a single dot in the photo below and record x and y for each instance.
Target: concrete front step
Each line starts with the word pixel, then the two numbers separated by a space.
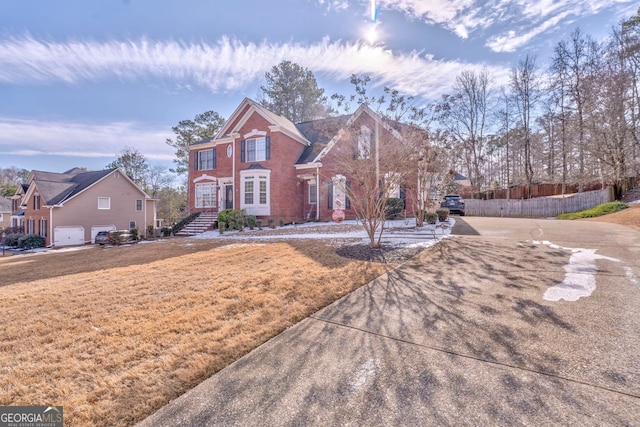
pixel 199 225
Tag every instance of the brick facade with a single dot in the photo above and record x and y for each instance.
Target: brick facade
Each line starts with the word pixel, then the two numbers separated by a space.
pixel 292 166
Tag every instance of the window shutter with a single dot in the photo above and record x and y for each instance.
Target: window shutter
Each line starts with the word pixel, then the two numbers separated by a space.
pixel 195 160
pixel 267 146
pixel 243 146
pixel 330 195
pixel 215 158
pixel 347 200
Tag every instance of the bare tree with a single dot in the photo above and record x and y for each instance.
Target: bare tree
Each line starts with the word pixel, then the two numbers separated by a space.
pixel 134 164
pixel 158 177
pixel 525 84
pixel 465 115
pixel 10 178
pixel 575 60
pixel 382 152
pixel 611 118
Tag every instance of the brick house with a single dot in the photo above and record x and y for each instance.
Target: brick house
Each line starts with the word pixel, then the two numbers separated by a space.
pixel 70 208
pixel 274 169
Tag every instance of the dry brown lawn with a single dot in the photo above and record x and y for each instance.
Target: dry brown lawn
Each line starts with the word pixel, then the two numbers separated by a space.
pixel 113 334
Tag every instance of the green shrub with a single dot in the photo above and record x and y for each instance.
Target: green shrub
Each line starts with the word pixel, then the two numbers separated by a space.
pixel 31 241
pixel 223 217
pixel 166 231
pixel 393 207
pixel 443 214
pixel 150 231
pixel 13 239
pixel 430 217
pixel 134 234
pixel 281 222
pixel 259 224
pixel 251 221
pixel 272 223
pixel 603 209
pixel 232 219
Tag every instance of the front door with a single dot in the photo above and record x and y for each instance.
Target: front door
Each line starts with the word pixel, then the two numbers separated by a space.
pixel 228 196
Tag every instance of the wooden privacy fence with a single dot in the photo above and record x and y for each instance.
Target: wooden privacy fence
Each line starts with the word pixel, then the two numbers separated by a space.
pixel 538 207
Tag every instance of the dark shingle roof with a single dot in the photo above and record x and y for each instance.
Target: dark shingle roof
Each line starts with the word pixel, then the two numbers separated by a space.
pixel 55 187
pixel 319 133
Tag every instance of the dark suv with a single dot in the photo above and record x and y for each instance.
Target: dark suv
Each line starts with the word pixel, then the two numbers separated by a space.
pixel 454 203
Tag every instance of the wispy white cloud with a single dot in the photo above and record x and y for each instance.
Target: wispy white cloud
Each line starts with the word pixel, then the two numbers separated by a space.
pixel 20 137
pixel 524 19
pixel 226 66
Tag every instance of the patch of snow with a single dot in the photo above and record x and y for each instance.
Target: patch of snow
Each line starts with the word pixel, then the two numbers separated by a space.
pixel 579 280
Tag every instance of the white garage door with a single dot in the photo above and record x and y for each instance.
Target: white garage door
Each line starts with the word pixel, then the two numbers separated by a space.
pixel 96 228
pixel 67 236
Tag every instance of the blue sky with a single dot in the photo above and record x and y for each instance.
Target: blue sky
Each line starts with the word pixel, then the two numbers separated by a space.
pixel 81 80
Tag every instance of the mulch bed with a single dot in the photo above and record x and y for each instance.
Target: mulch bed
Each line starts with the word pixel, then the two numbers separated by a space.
pixel 383 255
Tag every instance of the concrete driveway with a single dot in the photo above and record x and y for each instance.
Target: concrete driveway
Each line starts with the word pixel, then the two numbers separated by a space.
pixel 467 333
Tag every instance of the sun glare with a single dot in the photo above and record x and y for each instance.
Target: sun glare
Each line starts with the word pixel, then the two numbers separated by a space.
pixel 371 35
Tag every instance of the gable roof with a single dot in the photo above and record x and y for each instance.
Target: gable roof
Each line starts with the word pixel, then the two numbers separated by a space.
pixel 57 188
pixel 338 127
pixel 246 108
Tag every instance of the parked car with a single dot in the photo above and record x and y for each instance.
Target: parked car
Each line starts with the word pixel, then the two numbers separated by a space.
pixel 114 237
pixel 454 203
pixel 102 238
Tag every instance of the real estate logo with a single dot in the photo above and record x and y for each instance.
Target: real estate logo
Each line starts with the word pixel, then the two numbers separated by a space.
pixel 31 416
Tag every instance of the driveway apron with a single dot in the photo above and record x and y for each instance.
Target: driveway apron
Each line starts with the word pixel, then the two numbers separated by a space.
pixel 466 333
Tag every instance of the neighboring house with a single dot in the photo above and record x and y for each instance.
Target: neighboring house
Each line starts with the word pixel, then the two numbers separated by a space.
pixel 5 213
pixel 274 169
pixel 70 208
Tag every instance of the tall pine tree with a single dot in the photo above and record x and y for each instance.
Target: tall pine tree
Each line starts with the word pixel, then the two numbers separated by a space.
pixel 292 92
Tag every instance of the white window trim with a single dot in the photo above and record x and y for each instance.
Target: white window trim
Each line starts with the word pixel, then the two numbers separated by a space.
pixel 141 205
pixel 313 192
pixel 393 184
pixel 339 191
pixel 214 195
pixel 256 208
pixel 255 133
pixel 364 142
pixel 255 151
pixel 199 160
pixel 108 201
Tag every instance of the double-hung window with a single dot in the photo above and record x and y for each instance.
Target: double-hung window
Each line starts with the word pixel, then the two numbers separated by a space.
pixel 256 149
pixel 207 159
pixel 255 188
pixel 139 205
